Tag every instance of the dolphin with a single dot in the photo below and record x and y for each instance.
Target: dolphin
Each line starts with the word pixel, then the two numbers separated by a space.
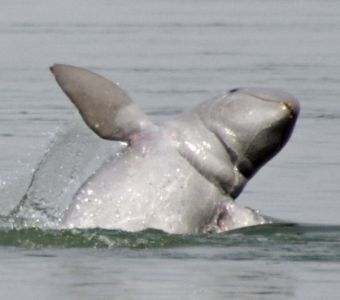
pixel 181 176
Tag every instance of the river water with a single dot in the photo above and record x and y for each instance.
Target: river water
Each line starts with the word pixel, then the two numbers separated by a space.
pixel 170 55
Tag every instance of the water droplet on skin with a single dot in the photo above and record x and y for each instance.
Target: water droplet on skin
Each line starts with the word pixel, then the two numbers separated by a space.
pixel 229 132
pixel 98 201
pixel 206 144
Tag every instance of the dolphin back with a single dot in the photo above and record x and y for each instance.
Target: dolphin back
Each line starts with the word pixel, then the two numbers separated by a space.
pixel 103 105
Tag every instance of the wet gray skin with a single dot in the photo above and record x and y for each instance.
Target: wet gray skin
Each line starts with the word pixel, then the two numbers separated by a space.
pixel 181 176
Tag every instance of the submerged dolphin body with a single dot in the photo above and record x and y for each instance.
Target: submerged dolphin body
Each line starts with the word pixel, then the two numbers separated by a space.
pixel 184 175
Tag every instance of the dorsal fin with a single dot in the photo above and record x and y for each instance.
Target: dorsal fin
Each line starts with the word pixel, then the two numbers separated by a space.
pixel 103 105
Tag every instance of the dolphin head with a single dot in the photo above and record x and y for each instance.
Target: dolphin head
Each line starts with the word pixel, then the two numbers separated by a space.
pixel 252 124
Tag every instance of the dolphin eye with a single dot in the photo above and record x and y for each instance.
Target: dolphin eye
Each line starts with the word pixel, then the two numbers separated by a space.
pixel 234 90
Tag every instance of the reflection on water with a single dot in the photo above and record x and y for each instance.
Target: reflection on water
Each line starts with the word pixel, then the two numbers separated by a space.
pixel 278 260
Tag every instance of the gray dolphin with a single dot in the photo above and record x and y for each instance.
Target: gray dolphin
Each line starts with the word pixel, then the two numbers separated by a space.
pixel 181 176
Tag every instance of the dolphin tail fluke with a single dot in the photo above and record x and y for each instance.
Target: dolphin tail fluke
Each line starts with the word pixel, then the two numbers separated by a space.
pixel 103 105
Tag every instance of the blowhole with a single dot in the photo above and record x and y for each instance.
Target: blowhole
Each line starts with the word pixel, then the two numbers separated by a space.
pixel 234 90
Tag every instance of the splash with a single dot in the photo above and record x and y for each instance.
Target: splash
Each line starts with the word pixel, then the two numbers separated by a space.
pixel 73 155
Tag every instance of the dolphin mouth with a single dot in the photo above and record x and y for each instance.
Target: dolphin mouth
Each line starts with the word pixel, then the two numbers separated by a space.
pixel 293 108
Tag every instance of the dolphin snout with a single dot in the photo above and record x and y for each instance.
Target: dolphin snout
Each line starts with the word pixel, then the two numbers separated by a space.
pixel 293 106
pixel 272 95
